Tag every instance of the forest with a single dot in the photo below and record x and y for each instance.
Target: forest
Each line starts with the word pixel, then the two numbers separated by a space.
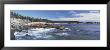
pixel 32 19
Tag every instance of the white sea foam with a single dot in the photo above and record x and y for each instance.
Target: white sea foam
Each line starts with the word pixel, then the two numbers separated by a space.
pixel 62 34
pixel 35 32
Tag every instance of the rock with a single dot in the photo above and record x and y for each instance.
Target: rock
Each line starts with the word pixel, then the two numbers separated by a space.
pixel 66 29
pixel 18 23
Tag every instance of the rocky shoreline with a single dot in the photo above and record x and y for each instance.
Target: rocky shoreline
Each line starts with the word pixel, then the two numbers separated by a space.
pixel 20 24
pixel 16 25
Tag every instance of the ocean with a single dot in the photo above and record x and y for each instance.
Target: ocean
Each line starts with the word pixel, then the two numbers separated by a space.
pixel 76 32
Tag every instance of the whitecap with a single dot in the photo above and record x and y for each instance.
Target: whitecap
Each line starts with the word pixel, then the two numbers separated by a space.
pixel 62 34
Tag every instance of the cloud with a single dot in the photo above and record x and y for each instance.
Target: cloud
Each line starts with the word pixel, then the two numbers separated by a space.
pixel 72 12
pixel 94 11
pixel 93 17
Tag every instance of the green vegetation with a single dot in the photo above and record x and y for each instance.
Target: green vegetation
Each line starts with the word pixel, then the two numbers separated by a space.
pixel 57 27
pixel 18 16
pixel 32 19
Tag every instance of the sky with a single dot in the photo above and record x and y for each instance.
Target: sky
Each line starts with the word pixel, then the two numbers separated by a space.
pixel 63 15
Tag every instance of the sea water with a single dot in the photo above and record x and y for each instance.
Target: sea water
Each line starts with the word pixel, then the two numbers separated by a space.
pixel 76 32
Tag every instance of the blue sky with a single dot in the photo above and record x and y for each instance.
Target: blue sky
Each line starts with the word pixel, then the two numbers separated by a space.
pixel 62 15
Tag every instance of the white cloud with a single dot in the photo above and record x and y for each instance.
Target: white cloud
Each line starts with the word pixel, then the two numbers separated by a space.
pixel 72 12
pixel 85 17
pixel 94 11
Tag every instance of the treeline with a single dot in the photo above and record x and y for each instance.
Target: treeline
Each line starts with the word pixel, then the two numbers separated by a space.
pixel 32 19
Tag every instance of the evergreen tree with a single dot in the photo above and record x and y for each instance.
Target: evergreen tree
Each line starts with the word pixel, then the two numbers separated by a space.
pixel 32 19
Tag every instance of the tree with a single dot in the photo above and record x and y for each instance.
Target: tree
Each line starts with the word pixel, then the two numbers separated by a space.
pixel 32 19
